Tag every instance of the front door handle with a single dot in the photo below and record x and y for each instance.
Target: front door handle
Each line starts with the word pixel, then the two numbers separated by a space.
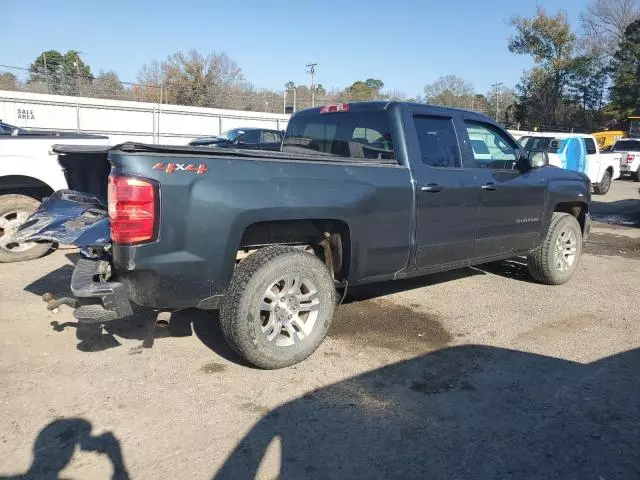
pixel 489 187
pixel 432 187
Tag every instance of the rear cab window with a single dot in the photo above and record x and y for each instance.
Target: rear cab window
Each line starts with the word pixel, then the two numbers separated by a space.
pixel 627 146
pixel 356 134
pixel 540 144
pixel 591 146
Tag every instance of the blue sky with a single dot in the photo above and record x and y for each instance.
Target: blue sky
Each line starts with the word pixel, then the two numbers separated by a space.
pixel 405 43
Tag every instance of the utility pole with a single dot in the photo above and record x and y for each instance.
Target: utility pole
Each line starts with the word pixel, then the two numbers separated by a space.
pixel 77 77
pixel 311 69
pixel 496 86
pixel 292 90
pixel 46 75
pixel 77 65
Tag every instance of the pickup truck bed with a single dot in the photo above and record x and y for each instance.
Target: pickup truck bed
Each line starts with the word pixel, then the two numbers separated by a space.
pixel 388 191
pixel 212 221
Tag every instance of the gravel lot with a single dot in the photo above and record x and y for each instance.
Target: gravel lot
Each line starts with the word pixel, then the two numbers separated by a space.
pixel 477 373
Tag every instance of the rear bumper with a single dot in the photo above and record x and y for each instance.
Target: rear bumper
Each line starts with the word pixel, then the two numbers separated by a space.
pixel 113 297
pixel 100 302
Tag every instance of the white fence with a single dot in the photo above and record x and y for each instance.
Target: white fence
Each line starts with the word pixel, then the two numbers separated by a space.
pixel 123 120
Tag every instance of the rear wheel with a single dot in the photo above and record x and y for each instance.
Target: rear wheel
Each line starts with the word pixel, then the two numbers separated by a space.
pixel 557 258
pixel 604 185
pixel 279 307
pixel 636 176
pixel 14 210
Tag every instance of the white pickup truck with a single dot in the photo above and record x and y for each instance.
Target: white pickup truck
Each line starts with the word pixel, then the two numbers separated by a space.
pixel 629 151
pixel 578 152
pixel 29 172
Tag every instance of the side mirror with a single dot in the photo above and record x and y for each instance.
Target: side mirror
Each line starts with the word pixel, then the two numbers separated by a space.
pixel 538 159
pixel 240 142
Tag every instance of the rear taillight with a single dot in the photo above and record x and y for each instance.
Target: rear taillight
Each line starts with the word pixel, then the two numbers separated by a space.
pixel 132 209
pixel 630 158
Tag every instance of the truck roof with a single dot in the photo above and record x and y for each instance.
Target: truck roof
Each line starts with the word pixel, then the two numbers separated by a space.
pixel 385 105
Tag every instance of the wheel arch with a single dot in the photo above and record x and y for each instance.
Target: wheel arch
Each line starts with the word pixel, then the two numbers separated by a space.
pixel 25 185
pixel 577 209
pixel 329 239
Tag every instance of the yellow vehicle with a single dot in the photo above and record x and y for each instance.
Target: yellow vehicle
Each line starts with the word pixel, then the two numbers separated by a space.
pixel 607 138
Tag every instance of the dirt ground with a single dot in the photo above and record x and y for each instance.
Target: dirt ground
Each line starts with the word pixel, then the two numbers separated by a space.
pixel 477 373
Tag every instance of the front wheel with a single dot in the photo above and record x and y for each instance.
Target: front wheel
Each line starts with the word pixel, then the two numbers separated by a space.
pixel 604 185
pixel 557 258
pixel 279 307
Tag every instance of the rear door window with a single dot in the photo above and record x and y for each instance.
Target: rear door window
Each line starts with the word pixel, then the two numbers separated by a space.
pixel 438 142
pixel 271 137
pixel 365 134
pixel 252 136
pixel 591 146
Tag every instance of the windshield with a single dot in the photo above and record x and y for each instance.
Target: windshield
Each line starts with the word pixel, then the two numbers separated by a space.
pixel 232 134
pixel 627 146
pixel 364 134
pixel 540 144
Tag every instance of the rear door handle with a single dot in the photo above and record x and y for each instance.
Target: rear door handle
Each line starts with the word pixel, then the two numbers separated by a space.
pixel 489 187
pixel 432 187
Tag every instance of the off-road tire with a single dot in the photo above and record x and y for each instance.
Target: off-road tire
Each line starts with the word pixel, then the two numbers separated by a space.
pixel 541 261
pixel 21 203
pixel 605 184
pixel 240 313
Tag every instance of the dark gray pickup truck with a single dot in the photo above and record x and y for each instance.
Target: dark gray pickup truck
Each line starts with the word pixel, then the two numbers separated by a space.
pixel 361 192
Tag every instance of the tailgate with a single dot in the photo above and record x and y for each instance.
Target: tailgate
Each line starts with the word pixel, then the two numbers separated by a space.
pixel 628 160
pixel 86 167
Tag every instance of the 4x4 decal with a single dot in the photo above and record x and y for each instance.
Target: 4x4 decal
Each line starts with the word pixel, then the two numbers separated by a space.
pixel 181 167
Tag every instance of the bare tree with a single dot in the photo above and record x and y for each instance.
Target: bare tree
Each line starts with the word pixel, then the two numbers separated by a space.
pixel 604 23
pixel 195 79
pixel 396 95
pixel 107 85
pixel 8 81
pixel 150 74
pixel 451 91
pixel 222 78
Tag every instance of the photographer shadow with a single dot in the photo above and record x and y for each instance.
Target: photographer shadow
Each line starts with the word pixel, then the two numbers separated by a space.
pixel 56 444
pixel 468 412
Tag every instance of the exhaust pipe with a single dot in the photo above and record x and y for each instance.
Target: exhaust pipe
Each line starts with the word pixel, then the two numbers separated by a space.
pixel 163 320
